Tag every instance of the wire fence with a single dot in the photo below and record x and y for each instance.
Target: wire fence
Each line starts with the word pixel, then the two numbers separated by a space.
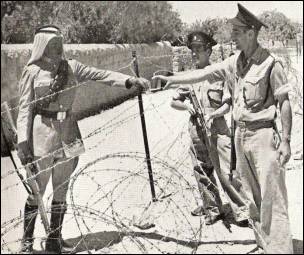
pixel 109 191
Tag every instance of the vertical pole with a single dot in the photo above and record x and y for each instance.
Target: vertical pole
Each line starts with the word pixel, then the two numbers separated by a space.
pixel 143 125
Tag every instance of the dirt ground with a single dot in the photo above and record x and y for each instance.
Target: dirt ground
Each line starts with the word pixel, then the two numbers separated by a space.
pixel 110 191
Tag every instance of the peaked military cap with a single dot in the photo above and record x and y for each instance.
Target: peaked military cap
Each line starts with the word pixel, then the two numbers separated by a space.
pixel 201 38
pixel 245 18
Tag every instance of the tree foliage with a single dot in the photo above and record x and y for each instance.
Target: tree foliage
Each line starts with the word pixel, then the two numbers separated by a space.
pixel 91 21
pixel 140 21
pixel 280 28
pixel 123 22
pixel 218 28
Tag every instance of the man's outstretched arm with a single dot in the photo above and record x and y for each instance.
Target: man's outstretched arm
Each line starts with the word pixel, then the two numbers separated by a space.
pixel 85 73
pixel 213 73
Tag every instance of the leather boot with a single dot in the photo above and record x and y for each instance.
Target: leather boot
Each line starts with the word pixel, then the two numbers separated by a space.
pixel 63 243
pixel 30 215
pixel 54 241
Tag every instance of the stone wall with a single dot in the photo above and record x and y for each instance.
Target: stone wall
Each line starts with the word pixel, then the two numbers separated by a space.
pixel 182 59
pixel 94 96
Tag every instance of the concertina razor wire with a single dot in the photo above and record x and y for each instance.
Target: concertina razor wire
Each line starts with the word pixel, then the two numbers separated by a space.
pixel 87 216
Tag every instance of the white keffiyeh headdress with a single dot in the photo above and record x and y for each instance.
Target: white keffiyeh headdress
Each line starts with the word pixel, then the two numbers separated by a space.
pixel 42 37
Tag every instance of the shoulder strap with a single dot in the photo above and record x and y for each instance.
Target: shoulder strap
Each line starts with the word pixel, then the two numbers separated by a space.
pixel 270 70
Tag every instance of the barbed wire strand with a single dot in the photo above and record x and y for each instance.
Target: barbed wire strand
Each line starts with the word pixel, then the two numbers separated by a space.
pixel 175 181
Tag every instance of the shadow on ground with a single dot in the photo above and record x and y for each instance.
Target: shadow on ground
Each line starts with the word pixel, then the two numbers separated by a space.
pixel 100 240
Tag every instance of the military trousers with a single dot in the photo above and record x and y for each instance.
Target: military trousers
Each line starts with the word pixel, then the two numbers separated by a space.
pixel 205 180
pixel 263 180
pixel 60 169
pixel 231 192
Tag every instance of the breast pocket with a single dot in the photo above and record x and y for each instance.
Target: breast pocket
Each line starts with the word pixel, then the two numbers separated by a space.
pixel 42 91
pixel 254 89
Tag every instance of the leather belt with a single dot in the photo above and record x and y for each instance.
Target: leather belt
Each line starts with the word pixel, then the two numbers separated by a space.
pixel 53 115
pixel 254 125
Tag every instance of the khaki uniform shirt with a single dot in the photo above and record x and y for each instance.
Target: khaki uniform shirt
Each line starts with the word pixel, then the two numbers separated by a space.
pixel 256 85
pixel 46 135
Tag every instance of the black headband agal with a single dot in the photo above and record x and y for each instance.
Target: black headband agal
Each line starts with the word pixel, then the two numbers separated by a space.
pixel 40 29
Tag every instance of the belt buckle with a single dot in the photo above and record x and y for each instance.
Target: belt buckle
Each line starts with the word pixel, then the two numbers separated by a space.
pixel 61 116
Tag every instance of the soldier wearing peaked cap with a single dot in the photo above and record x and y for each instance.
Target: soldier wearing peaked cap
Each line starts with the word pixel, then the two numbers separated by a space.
pixel 260 86
pixel 200 38
pixel 245 18
pixel 47 131
pixel 209 154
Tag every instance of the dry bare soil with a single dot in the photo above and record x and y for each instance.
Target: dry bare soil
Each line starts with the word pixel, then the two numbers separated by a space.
pixel 110 191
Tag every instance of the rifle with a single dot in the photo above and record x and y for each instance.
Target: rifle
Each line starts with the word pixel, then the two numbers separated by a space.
pixel 31 170
pixel 232 151
pixel 200 121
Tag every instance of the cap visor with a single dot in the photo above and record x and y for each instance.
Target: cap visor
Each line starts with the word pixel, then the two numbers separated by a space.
pixel 195 44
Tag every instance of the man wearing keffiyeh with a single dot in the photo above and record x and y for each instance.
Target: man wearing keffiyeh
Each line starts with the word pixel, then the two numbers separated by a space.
pixel 48 133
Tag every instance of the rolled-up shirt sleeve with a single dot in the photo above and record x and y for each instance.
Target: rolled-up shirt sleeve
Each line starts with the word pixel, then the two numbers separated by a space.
pixel 85 73
pixel 278 80
pixel 26 105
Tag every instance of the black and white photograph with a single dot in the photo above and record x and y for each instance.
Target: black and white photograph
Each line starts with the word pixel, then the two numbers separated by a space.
pixel 151 127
